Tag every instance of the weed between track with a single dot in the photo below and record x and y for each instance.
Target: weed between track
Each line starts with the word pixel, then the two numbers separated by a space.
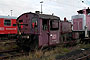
pixel 7 45
pixel 51 54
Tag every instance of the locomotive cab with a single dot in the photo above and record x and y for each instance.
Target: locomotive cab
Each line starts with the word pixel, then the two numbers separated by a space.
pixel 50 32
pixel 38 30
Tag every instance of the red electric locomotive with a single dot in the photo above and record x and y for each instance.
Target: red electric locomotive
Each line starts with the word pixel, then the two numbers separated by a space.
pixel 8 27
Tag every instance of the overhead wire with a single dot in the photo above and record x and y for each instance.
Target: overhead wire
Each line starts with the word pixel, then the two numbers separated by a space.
pixel 69 5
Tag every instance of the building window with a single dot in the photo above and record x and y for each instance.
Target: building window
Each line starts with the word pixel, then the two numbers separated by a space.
pixel 7 22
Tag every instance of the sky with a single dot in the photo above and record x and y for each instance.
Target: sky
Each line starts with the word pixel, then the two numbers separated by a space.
pixel 61 8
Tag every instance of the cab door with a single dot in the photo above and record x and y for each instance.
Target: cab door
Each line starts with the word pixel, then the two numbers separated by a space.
pixel 54 32
pixel 45 32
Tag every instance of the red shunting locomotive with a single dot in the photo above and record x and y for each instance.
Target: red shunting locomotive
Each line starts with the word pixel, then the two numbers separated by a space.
pixel 40 30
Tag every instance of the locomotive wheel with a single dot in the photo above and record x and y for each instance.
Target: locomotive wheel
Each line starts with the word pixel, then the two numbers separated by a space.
pixel 34 42
pixel 28 44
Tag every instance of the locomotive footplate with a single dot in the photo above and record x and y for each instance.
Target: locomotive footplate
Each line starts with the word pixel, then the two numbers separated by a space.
pixel 86 40
pixel 26 37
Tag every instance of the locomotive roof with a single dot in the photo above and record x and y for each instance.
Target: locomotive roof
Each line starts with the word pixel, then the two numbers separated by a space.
pixel 8 17
pixel 46 16
pixel 43 16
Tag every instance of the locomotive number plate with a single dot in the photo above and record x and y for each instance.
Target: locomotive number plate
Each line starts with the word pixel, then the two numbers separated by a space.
pixel 54 36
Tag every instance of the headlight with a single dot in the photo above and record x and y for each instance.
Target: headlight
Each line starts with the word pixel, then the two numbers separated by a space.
pixel 50 34
pixel 27 37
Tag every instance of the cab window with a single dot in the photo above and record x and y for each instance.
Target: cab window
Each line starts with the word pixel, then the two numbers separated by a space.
pixel 54 25
pixel 45 24
pixel 20 21
pixel 34 22
pixel 7 22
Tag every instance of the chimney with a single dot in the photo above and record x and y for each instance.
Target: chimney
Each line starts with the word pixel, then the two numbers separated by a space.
pixel 52 14
pixel 65 19
pixel 88 7
pixel 37 12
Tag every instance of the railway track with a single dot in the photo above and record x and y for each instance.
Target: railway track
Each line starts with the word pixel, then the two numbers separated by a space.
pixel 82 54
pixel 5 42
pixel 7 45
pixel 8 49
pixel 11 40
pixel 10 54
pixel 84 58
